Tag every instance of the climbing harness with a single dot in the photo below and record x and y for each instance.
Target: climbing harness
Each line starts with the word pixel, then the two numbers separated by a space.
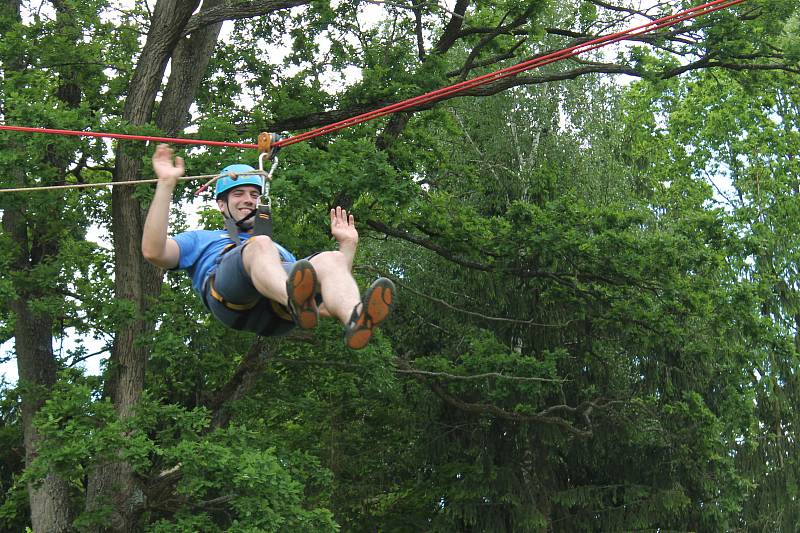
pixel 280 310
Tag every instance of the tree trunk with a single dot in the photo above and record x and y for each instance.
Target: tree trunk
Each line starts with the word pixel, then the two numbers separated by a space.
pixel 36 366
pixel 50 500
pixel 135 279
pixel 189 63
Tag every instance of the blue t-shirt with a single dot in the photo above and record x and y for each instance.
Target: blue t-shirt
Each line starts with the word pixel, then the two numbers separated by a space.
pixel 199 250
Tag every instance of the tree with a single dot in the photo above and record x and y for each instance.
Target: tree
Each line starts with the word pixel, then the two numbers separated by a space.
pixel 586 320
pixel 44 236
pixel 745 148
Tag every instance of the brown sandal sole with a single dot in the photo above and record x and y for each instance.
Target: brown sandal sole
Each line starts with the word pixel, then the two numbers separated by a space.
pixel 376 305
pixel 301 290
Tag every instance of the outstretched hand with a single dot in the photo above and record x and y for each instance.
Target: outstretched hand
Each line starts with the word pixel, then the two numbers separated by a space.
pixel 343 227
pixel 167 170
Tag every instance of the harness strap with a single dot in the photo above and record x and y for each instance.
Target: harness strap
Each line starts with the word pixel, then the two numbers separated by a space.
pixel 233 231
pixel 263 225
pixel 218 297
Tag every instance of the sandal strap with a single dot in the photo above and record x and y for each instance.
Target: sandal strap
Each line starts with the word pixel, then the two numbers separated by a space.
pixel 355 314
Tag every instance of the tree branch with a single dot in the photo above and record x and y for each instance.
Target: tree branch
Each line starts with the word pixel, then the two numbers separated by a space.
pixel 214 503
pixel 451 32
pixel 232 10
pixel 416 8
pixel 465 311
pixel 499 30
pixel 733 66
pixel 450 256
pixel 544 416
pixel 490 61
pixel 497 375
pixel 328 117
pixel 581 37
pixel 621 9
pixel 241 382
pixel 567 279
pixel 250 368
pixel 82 358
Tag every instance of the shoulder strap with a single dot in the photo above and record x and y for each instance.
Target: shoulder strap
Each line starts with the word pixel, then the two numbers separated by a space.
pixel 233 230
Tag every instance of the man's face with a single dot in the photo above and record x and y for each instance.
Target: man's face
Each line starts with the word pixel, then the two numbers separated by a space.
pixel 240 202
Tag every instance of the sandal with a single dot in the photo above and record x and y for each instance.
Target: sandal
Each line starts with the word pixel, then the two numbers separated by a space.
pixel 373 309
pixel 301 290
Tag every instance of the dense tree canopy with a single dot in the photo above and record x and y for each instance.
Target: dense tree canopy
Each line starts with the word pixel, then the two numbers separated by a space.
pixel 597 264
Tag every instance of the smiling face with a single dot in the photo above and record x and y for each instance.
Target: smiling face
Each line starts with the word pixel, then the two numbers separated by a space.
pixel 240 202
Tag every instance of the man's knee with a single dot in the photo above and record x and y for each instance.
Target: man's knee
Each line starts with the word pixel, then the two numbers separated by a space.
pixel 260 240
pixel 261 247
pixel 330 261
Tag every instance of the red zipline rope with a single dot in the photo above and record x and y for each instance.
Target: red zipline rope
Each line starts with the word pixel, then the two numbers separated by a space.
pixel 127 137
pixel 429 97
pixel 514 69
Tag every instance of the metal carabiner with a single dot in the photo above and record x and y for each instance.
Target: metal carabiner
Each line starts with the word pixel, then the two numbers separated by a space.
pixel 272 168
pixel 267 177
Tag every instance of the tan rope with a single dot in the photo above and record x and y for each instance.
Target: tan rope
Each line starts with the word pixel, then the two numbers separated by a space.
pixel 113 183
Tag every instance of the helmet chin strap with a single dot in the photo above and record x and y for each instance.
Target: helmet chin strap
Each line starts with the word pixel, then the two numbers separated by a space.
pixel 232 225
pixel 244 219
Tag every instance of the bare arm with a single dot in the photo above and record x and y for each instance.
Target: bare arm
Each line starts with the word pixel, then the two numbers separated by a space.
pixel 157 248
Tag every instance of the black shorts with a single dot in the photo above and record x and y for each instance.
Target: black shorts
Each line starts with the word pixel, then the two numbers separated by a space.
pixel 242 307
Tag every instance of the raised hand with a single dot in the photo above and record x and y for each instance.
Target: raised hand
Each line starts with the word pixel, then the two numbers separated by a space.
pixel 343 229
pixel 167 170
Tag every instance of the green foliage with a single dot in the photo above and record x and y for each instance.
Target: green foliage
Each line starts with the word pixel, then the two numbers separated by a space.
pixel 254 485
pixel 230 473
pixel 78 429
pixel 597 326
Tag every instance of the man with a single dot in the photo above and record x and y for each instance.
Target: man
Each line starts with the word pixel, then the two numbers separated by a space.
pixel 258 285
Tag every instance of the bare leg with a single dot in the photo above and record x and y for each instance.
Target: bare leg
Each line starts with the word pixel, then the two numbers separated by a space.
pixel 339 289
pixel 263 263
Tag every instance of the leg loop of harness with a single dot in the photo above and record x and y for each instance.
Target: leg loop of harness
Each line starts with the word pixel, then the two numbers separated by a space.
pixel 232 306
pixel 281 311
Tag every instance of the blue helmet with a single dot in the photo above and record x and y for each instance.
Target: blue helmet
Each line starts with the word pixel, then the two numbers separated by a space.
pixel 226 182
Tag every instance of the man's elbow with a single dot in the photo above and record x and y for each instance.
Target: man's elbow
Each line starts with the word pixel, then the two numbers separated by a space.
pixel 155 258
pixel 151 258
pixel 164 255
